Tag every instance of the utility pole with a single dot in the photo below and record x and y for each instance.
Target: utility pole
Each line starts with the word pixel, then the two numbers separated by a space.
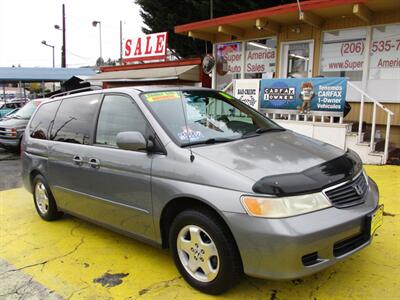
pixel 63 54
pixel 211 9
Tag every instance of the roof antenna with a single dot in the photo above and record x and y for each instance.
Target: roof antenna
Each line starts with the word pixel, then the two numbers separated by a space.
pixel 186 125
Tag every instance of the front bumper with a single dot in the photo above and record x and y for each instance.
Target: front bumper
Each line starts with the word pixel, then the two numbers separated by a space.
pixel 294 247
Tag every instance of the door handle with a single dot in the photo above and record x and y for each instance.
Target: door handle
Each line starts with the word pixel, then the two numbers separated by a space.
pixel 94 163
pixel 77 160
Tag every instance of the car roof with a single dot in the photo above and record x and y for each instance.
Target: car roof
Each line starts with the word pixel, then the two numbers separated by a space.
pixel 140 89
pixel 150 88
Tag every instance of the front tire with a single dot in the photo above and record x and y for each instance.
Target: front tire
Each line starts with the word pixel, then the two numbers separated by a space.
pixel 204 251
pixel 44 201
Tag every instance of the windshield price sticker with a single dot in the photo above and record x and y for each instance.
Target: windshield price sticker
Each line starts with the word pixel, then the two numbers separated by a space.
pixel 190 135
pixel 161 96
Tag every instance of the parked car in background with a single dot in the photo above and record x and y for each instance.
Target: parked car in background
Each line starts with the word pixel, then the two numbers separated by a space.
pixel 9 106
pixel 198 171
pixel 13 124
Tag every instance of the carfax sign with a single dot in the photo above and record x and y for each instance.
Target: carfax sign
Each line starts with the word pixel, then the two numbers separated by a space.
pixel 304 94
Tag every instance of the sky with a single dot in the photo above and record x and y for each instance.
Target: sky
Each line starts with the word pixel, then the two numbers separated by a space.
pixel 24 24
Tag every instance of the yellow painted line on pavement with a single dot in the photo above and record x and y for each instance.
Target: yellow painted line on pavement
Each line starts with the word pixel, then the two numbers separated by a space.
pixel 68 255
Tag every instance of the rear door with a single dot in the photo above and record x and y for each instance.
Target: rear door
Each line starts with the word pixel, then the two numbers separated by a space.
pixel 121 178
pixel 71 137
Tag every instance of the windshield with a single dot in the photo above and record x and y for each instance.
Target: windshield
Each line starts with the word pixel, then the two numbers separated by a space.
pixel 26 111
pixel 209 116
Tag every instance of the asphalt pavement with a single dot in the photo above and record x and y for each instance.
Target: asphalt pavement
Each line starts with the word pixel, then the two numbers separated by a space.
pixel 73 259
pixel 10 170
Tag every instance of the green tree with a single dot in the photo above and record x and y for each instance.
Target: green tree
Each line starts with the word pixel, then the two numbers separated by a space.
pixel 161 15
pixel 99 62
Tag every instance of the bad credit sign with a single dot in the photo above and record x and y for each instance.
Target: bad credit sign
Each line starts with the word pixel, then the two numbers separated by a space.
pixel 146 47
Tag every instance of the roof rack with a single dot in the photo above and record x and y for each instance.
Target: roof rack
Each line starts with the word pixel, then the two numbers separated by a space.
pixel 85 89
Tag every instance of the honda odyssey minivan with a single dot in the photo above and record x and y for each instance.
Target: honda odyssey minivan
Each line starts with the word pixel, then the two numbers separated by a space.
pixel 195 170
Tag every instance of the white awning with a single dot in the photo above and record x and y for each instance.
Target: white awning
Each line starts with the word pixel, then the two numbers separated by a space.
pixel 190 73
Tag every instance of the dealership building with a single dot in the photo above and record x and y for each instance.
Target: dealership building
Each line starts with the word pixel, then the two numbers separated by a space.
pixel 355 39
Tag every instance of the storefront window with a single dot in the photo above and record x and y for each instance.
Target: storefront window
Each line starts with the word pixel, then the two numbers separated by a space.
pixel 260 58
pixel 229 58
pixel 342 53
pixel 385 52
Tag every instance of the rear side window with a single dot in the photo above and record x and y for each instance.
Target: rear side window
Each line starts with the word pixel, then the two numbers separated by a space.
pixel 74 119
pixel 42 120
pixel 118 114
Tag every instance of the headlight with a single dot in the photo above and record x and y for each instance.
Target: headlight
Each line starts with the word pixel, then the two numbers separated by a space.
pixel 284 206
pixel 12 131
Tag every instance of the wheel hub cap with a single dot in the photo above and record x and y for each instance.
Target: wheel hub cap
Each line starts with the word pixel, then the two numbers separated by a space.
pixel 41 198
pixel 198 253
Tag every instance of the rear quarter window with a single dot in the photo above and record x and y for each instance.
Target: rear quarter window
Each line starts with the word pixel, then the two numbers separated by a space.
pixel 75 118
pixel 39 126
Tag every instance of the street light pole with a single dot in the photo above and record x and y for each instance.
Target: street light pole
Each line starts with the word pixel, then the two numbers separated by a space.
pixel 52 48
pixel 48 45
pixel 94 23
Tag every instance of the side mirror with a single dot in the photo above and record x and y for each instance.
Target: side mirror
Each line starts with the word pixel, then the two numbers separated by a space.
pixel 131 140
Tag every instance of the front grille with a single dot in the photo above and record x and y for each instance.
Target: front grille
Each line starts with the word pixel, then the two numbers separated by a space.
pixel 3 131
pixel 349 194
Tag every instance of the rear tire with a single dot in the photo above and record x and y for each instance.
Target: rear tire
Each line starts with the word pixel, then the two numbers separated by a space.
pixel 44 201
pixel 204 251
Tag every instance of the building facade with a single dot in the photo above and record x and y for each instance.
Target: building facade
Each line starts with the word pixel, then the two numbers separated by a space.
pixel 357 39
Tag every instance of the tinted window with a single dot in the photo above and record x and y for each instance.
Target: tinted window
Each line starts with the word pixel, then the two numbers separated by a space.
pixel 74 119
pixel 118 114
pixel 42 120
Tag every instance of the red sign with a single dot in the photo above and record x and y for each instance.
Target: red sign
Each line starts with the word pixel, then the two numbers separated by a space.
pixel 147 47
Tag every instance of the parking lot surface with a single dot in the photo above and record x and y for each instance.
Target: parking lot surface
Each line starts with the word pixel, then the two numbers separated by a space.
pixel 10 170
pixel 74 259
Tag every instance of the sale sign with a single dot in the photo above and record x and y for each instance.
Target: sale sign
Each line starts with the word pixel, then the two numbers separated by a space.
pixel 147 47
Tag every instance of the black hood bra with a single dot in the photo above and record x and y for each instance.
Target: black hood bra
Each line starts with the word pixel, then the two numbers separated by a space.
pixel 313 179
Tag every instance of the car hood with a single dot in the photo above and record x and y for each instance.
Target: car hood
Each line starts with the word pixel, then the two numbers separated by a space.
pixel 12 122
pixel 270 154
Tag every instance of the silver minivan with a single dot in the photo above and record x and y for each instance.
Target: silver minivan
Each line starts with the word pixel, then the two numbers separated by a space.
pixel 197 171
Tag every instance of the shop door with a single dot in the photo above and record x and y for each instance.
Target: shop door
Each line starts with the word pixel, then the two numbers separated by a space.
pixel 297 59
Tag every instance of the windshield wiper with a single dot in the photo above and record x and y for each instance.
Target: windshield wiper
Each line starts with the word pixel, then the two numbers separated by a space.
pixel 209 141
pixel 259 131
pixel 265 129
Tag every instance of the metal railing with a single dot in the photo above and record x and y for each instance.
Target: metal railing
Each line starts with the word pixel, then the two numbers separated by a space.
pixel 314 117
pixel 376 104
